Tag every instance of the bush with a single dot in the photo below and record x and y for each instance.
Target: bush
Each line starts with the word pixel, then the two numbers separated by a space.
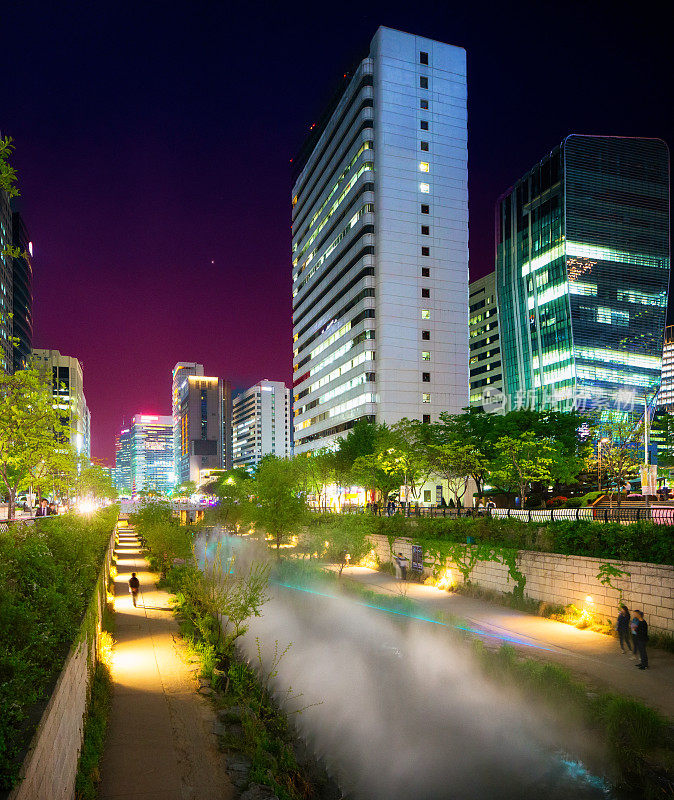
pixel 47 576
pixel 556 502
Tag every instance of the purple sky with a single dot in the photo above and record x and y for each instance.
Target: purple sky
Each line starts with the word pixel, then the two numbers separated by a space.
pixel 153 146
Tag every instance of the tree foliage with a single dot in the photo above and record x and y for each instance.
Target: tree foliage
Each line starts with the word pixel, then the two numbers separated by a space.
pixel 278 506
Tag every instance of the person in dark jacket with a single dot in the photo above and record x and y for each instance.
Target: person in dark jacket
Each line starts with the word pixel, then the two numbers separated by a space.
pixel 641 637
pixel 623 628
pixel 134 588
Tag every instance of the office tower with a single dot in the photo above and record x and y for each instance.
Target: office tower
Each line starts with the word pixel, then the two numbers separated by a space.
pixel 582 268
pixel 666 396
pixel 203 419
pixel 6 269
pixel 486 380
pixel 380 245
pixel 144 455
pixel 181 371
pixel 65 373
pixel 22 293
pixel 123 477
pixel 260 423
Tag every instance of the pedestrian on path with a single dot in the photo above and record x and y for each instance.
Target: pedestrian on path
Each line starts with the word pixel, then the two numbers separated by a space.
pixel 633 628
pixel 401 561
pixel 641 639
pixel 134 588
pixel 623 628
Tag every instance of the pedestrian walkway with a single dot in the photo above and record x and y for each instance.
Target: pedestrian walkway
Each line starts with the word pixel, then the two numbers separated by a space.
pixel 593 657
pixel 159 743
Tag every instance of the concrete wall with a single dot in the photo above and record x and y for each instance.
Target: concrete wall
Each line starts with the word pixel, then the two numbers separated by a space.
pixel 50 766
pixel 559 579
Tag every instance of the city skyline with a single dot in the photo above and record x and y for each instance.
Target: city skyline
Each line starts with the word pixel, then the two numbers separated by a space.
pixel 106 132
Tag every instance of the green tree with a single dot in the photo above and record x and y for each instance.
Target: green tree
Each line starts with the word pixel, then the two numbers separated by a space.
pixel 31 430
pixel 620 442
pixel 316 472
pixel 360 441
pixel 475 428
pixel 408 440
pixel 95 481
pixel 378 473
pixel 279 507
pixel 233 490
pixel 523 460
pixel 456 463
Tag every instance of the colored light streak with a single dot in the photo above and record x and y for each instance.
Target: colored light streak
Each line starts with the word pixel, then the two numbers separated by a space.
pixel 511 639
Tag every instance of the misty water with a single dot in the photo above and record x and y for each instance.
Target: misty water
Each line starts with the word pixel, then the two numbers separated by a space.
pixel 399 708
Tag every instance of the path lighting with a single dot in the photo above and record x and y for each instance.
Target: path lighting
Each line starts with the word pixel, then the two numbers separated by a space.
pixel 589 600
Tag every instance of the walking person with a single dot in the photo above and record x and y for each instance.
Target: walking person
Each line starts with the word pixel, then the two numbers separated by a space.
pixel 641 640
pixel 624 630
pixel 134 588
pixel 633 630
pixel 401 561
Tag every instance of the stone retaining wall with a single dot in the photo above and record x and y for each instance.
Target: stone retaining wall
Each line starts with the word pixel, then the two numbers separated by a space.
pixel 50 766
pixel 562 580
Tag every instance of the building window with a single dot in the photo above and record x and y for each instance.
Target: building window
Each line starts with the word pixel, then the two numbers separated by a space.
pixel 426 377
pixel 423 124
pixel 425 230
pixel 425 272
pixel 425 251
pixel 425 355
pixel 426 419
pixel 423 57
pixel 425 313
pixel 426 293
pixel 423 145
pixel 424 188
pixel 425 209
pixel 423 104
pixel 425 335
pixel 423 82
pixel 425 398
pixel 424 166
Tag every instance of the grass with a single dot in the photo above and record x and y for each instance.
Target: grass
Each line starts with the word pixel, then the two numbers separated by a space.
pixel 93 742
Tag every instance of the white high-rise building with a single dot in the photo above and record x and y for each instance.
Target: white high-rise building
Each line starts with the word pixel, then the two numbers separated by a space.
pixel 67 379
pixel 261 423
pixel 380 245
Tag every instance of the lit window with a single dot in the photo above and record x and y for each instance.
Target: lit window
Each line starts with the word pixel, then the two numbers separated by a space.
pixel 424 188
pixel 423 145
pixel 425 355
pixel 425 398
pixel 424 166
pixel 425 313
pixel 423 57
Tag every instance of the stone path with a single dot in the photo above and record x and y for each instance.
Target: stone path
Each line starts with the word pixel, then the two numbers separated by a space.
pixel 159 743
pixel 593 657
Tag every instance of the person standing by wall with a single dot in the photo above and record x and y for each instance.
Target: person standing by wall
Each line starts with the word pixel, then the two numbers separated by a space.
pixel 641 639
pixel 624 630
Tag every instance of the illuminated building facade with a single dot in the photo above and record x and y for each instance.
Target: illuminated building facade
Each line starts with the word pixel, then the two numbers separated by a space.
pixel 22 293
pixel 65 373
pixel 203 419
pixel 666 396
pixel 486 378
pixel 122 475
pixel 582 270
pixel 181 371
pixel 151 456
pixel 260 423
pixel 380 245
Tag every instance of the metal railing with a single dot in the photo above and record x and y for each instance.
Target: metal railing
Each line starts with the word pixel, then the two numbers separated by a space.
pixel 660 515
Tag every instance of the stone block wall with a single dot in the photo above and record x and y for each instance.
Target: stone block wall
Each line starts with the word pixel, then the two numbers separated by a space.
pixel 562 580
pixel 50 766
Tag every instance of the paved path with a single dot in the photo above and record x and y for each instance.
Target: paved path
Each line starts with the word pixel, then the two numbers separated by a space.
pixel 159 744
pixel 594 657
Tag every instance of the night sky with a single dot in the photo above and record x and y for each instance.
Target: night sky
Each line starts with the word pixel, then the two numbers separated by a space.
pixel 153 146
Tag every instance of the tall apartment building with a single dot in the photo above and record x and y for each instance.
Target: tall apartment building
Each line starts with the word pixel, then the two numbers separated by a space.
pixel 203 419
pixel 486 378
pixel 65 373
pixel 144 455
pixel 260 423
pixel 6 269
pixel 380 245
pixel 22 293
pixel 582 270
pixel 666 396
pixel 181 371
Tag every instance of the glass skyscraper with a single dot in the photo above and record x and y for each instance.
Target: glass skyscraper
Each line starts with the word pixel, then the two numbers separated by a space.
pixel 582 270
